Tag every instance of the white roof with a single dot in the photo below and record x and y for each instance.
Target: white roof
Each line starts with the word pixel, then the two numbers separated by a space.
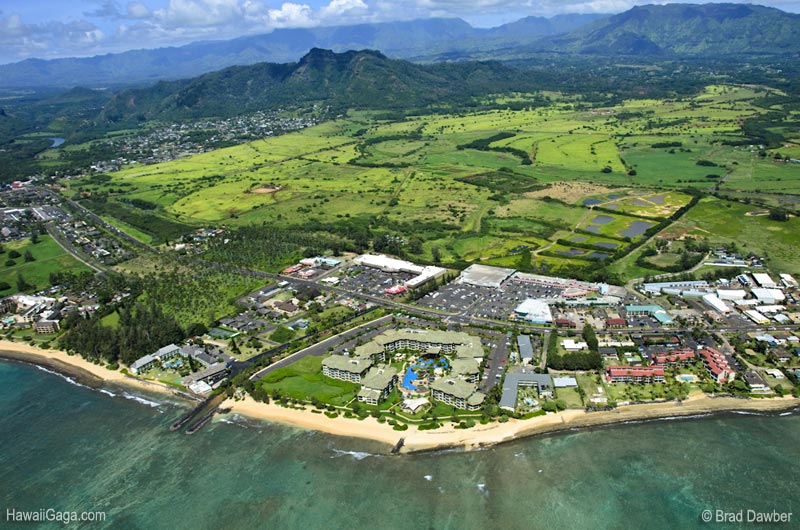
pixel 768 294
pixel 379 261
pixel 564 382
pixel 535 310
pixel 571 345
pixel 763 279
pixel 717 304
pixel 755 316
pixel 731 294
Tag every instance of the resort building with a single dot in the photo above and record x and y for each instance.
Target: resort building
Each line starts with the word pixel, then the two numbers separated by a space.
pixel 676 358
pixel 466 369
pixel 457 393
pixel 525 348
pixel 427 341
pixel 717 365
pixel 631 374
pixel 210 375
pixel 377 384
pixel 514 381
pixel 346 368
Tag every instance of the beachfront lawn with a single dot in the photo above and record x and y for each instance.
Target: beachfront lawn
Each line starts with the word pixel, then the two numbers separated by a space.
pixel 571 397
pixel 303 380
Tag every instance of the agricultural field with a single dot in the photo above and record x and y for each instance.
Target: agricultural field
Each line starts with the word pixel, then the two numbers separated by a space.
pixel 564 182
pixel 48 257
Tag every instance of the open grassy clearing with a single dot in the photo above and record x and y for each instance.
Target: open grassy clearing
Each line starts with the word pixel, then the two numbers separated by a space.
pixel 48 257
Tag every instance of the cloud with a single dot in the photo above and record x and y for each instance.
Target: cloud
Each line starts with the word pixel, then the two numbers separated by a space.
pixel 138 10
pixel 116 25
pixel 292 15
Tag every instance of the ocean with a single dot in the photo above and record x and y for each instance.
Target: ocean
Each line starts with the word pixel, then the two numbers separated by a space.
pixel 69 448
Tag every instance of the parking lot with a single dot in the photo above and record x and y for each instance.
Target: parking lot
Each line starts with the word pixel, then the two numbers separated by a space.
pixel 370 281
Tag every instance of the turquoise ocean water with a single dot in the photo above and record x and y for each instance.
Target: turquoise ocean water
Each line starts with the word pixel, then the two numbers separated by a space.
pixel 71 448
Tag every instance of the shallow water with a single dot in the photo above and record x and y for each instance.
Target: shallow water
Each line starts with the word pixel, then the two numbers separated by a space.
pixel 73 448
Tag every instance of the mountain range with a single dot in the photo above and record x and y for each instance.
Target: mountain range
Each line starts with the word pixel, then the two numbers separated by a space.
pixel 416 38
pixel 353 79
pixel 653 30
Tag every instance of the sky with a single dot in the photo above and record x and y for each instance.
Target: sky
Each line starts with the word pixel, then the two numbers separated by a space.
pixel 50 29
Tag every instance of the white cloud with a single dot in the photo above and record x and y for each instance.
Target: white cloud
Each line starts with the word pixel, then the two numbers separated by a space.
pixel 340 7
pixel 138 10
pixel 292 15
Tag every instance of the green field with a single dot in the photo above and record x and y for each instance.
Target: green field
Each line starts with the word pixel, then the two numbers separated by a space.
pixel 49 258
pixel 430 177
pixel 303 380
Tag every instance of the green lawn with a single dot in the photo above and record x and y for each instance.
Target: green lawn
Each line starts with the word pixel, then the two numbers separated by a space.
pixel 304 380
pixel 49 257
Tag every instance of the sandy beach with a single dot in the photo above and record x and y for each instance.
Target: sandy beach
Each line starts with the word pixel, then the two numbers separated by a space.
pixel 494 433
pixel 86 373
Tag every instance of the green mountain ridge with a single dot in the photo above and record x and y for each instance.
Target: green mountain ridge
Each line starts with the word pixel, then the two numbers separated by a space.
pixel 684 29
pixel 354 79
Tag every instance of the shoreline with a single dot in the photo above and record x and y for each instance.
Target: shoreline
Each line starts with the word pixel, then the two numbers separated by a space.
pixel 483 436
pixel 83 371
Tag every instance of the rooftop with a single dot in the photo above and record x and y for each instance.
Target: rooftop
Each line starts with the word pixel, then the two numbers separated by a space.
pixel 347 364
pixel 484 275
pixel 379 378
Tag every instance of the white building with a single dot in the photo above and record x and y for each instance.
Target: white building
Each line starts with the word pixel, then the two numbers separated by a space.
pixel 715 303
pixel 731 294
pixel 768 296
pixel 763 279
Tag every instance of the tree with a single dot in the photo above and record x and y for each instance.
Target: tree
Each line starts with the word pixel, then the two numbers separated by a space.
pixel 34 237
pixel 5 286
pixel 590 337
pixel 13 254
pixel 29 257
pixel 436 254
pixel 22 285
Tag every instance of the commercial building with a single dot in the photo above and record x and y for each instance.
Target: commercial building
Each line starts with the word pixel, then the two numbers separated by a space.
pixel 788 281
pixel 346 368
pixel 768 296
pixel 377 384
pixel 763 279
pixel 514 381
pixel 387 264
pixel 631 374
pixel 713 301
pixel 731 295
pixel 484 276
pixel 534 311
pixel 457 393
pixel 656 311
pixel 658 287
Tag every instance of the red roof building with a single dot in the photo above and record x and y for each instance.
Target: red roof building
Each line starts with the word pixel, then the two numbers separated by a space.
pixel 635 374
pixel 395 289
pixel 565 323
pixel 678 357
pixel 616 323
pixel 717 365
